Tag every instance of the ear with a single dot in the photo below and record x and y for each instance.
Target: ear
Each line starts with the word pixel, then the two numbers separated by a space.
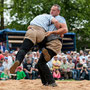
pixel 59 12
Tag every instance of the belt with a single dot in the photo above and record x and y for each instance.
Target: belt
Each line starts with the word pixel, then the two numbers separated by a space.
pixel 53 37
pixel 35 26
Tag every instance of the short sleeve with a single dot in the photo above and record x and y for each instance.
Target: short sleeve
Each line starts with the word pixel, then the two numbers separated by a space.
pixel 63 20
pixel 50 17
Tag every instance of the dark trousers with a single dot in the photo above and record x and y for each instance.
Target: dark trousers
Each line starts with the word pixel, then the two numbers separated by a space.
pixel 45 73
pixel 25 47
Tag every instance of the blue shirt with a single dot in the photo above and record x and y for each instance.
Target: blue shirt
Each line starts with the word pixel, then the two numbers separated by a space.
pixel 53 28
pixel 60 19
pixel 2 48
pixel 43 21
pixel 2 68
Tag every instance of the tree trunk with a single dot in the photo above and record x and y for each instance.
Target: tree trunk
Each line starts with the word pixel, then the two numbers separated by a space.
pixel 2 14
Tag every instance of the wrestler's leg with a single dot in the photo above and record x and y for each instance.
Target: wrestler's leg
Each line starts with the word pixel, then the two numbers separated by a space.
pixel 26 46
pixel 44 68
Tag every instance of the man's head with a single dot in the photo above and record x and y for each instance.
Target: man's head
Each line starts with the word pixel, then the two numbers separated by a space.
pixel 88 58
pixel 28 60
pixel 55 58
pixel 64 60
pixel 6 59
pixel 1 43
pixel 19 68
pixel 55 10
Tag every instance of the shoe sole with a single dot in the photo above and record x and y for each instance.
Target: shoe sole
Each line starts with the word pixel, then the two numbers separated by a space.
pixel 13 68
pixel 46 55
pixel 53 85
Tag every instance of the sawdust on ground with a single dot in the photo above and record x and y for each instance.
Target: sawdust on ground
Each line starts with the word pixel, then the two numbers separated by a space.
pixel 37 85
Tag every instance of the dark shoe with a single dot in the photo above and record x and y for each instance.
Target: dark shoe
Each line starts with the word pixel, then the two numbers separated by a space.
pixel 81 78
pixel 14 66
pixel 46 54
pixel 46 84
pixel 53 84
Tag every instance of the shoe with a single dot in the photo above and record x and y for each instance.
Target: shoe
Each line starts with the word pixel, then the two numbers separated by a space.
pixel 53 85
pixel 46 84
pixel 81 78
pixel 46 55
pixel 14 66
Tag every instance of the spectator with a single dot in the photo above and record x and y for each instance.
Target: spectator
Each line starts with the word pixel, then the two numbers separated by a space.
pixel 38 54
pixel 81 54
pixel 56 63
pixel 78 68
pixel 1 67
pixel 56 74
pixel 69 58
pixel 13 55
pixel 5 75
pixel 20 73
pixel 88 65
pixel 68 53
pixel 34 69
pixel 72 69
pixel 2 47
pixel 84 72
pixel 7 54
pixel 65 69
pixel 1 56
pixel 83 60
pixel 28 68
pixel 34 55
pixel 76 61
pixel 6 63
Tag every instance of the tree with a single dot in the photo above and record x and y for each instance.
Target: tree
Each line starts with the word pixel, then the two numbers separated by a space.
pixel 3 8
pixel 1 13
pixel 76 13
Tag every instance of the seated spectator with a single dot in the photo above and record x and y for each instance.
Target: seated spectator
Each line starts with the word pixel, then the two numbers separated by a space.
pixel 84 72
pixel 69 58
pixel 76 61
pixel 13 55
pixel 56 63
pixel 6 63
pixel 34 69
pixel 81 54
pixel 68 53
pixel 78 69
pixel 34 55
pixel 28 68
pixel 38 54
pixel 1 67
pixel 9 56
pixel 56 74
pixel 88 66
pixel 1 56
pixel 20 73
pixel 2 47
pixel 65 69
pixel 83 60
pixel 72 69
pixel 5 75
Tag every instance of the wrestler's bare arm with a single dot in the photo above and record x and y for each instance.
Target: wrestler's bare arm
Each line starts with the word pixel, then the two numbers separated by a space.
pixel 61 31
pixel 56 23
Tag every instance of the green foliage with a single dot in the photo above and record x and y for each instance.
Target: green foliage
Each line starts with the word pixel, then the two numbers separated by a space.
pixel 76 13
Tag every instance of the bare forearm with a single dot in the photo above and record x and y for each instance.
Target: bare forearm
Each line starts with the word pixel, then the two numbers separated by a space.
pixel 56 23
pixel 60 31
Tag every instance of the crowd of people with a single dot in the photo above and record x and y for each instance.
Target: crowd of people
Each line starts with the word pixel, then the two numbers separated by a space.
pixel 69 65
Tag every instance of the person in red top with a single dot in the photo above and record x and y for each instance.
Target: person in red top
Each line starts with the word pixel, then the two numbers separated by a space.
pixel 1 56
